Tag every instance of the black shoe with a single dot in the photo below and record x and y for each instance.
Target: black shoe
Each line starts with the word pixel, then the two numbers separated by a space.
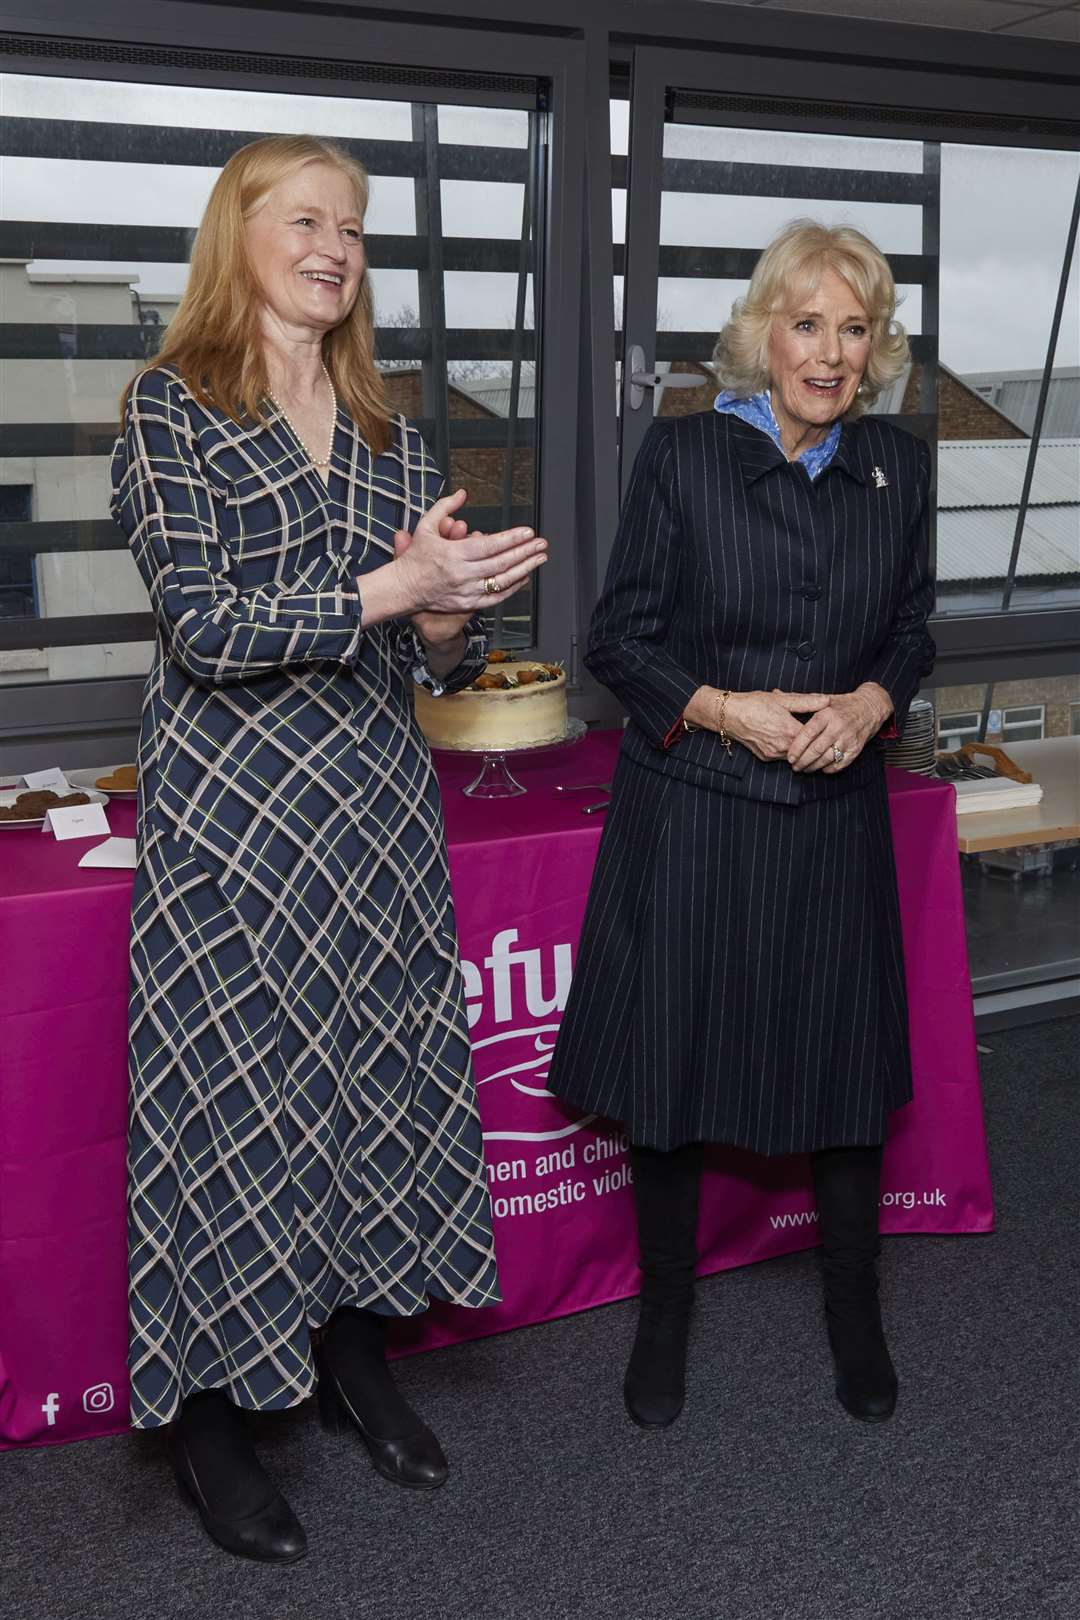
pixel 847 1183
pixel 866 1382
pixel 654 1388
pixel 357 1388
pixel 666 1200
pixel 216 1467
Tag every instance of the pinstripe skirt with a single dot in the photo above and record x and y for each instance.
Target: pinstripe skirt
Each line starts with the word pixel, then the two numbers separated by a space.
pixel 740 976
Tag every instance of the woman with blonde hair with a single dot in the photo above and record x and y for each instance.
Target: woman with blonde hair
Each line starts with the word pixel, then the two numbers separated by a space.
pixel 740 977
pixel 304 1148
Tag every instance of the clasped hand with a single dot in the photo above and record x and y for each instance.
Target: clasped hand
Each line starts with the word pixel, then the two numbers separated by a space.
pixel 765 722
pixel 446 565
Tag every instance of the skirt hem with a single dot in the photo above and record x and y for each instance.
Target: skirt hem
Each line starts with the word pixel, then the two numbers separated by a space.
pixel 669 1142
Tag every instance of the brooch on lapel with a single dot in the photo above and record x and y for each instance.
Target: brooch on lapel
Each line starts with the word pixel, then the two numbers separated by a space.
pixel 880 480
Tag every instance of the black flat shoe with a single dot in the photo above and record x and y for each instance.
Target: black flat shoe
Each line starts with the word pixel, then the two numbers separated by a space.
pixel 272 1533
pixel 414 1459
pixel 654 1389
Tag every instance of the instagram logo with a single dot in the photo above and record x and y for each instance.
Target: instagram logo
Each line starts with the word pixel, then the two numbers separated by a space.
pixel 98 1398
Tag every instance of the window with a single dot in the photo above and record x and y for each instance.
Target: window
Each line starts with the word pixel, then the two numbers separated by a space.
pixel 727 191
pixel 1023 724
pixel 956 729
pixel 102 187
pixel 1004 228
pixel 977 297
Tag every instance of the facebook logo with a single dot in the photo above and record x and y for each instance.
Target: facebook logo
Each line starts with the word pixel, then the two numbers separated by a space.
pixel 50 1407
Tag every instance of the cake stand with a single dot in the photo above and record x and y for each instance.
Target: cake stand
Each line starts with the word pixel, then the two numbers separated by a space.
pixel 494 779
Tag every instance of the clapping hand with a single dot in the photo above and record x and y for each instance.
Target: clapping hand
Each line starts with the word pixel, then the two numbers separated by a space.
pixel 436 629
pixel 452 571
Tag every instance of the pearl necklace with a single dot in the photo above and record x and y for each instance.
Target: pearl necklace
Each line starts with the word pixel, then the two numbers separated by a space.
pixel 316 461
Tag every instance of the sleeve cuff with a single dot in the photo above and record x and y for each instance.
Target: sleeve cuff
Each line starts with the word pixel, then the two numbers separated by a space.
pixel 679 729
pixel 471 664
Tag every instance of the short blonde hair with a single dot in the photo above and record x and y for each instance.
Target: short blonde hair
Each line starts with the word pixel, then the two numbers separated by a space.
pixel 214 340
pixel 791 267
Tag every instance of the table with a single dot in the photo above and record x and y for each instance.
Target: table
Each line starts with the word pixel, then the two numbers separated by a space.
pixel 1055 763
pixel 560 1185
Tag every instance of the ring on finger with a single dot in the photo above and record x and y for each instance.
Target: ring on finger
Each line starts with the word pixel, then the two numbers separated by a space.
pixel 838 755
pixel 491 585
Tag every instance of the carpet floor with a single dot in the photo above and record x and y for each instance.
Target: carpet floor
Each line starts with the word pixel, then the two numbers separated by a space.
pixel 765 1502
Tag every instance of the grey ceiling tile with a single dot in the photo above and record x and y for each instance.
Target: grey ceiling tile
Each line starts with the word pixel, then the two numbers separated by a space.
pixel 979 14
pixel 1058 25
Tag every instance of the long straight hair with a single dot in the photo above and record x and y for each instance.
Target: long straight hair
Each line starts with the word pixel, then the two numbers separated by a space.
pixel 214 341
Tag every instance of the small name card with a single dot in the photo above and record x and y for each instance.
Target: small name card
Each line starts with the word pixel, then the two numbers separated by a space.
pixel 113 852
pixel 77 821
pixel 53 779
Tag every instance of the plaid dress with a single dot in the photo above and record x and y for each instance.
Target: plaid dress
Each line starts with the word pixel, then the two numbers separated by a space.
pixel 303 1127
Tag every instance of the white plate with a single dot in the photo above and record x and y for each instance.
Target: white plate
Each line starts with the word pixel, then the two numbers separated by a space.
pixel 9 795
pixel 88 780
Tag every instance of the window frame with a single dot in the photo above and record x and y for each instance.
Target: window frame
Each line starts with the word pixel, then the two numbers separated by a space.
pixel 1008 719
pixel 453 57
pixel 964 732
pixel 1006 82
pixel 999 644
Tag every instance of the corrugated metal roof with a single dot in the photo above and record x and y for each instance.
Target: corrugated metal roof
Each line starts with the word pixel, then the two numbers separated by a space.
pixel 494 392
pixel 976 545
pixel 1019 400
pixel 990 472
pixel 497 400
pixel 1016 393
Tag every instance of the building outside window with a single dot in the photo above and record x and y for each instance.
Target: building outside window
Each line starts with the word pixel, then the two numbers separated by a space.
pixel 1023 724
pixel 956 729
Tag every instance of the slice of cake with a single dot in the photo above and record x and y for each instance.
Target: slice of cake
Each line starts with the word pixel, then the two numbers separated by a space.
pixel 515 703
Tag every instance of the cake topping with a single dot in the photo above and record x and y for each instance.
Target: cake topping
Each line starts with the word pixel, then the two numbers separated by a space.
pixel 531 673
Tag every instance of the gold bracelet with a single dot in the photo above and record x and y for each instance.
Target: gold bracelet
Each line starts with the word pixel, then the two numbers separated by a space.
pixel 721 714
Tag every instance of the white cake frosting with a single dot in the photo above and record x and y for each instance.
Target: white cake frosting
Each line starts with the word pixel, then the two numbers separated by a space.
pixel 515 716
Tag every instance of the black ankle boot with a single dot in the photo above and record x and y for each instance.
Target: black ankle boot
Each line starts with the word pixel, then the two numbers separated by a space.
pixel 666 1198
pixel 215 1463
pixel 847 1184
pixel 356 1386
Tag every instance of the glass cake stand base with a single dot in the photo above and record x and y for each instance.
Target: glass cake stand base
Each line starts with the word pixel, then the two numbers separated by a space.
pixel 495 780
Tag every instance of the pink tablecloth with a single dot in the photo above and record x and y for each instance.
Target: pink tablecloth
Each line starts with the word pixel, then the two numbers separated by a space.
pixel 562 1200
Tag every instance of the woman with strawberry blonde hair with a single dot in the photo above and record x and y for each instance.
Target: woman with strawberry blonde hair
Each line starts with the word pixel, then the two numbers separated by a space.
pixel 304 1149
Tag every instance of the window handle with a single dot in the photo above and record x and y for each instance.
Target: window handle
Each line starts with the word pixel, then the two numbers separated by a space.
pixel 640 379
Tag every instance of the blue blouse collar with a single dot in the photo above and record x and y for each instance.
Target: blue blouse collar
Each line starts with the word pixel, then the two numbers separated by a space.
pixel 758 412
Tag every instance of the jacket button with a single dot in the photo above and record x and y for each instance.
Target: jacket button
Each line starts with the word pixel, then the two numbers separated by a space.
pixel 811 592
pixel 805 649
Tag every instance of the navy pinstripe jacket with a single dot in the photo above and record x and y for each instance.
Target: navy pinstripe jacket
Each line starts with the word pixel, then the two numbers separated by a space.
pixel 731 568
